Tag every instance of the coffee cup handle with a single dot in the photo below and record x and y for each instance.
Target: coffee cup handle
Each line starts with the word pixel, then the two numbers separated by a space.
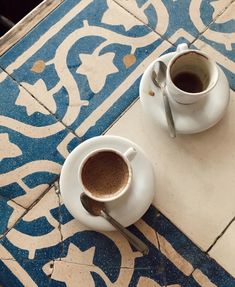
pixel 182 47
pixel 130 153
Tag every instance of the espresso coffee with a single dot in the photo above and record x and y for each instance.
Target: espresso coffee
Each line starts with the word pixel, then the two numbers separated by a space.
pixel 105 173
pixel 188 82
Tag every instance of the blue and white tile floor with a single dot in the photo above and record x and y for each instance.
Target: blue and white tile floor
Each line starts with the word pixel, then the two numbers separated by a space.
pixel 70 79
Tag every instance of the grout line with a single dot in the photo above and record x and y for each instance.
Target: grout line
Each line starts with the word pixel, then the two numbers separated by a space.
pixel 129 107
pixel 27 210
pixel 167 39
pixel 57 119
pixel 121 115
pixel 220 235
pixel 214 243
pixel 60 120
pixel 115 267
pixel 212 22
pixel 40 103
pixel 145 24
pixel 13 200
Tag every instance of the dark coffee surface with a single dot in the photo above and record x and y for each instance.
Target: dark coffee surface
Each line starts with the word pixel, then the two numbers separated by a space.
pixel 188 82
pixel 105 173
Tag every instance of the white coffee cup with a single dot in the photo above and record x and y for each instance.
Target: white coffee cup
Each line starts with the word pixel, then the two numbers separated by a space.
pixel 190 75
pixel 105 174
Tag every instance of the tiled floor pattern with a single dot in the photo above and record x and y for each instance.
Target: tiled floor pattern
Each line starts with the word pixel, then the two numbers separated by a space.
pixel 67 81
pixel 48 248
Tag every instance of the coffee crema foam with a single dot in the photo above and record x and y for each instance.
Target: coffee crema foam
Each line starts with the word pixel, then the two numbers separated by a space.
pixel 105 173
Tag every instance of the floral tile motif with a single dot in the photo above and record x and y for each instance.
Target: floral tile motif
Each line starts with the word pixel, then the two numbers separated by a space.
pixel 34 235
pixel 69 79
pixel 191 19
pixel 169 18
pixel 33 242
pixel 48 247
pixel 33 144
pixel 84 68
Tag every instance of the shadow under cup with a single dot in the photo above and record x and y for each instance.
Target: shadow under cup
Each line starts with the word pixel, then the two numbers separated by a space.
pixel 105 175
pixel 191 75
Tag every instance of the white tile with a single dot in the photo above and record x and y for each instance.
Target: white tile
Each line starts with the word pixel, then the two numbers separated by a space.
pixel 195 180
pixel 224 250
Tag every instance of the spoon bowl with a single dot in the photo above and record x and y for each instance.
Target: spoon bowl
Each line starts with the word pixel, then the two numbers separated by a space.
pixel 97 208
pixel 158 77
pixel 92 206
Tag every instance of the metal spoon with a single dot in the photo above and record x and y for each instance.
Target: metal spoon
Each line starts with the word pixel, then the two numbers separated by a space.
pixel 97 208
pixel 159 80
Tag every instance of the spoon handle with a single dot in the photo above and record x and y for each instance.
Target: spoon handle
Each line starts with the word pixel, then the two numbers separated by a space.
pixel 133 240
pixel 168 113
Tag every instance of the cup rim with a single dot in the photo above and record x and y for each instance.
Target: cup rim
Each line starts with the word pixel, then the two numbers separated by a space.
pixel 115 195
pixel 208 89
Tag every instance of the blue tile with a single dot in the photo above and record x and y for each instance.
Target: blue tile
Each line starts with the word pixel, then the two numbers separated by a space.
pixel 107 256
pixel 189 251
pixel 220 36
pixel 7 277
pixel 189 16
pixel 31 137
pixel 6 212
pixel 216 273
pixel 87 38
pixel 81 73
pixel 9 214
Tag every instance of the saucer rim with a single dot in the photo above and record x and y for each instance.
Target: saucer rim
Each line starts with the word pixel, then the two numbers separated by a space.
pixel 99 223
pixel 180 128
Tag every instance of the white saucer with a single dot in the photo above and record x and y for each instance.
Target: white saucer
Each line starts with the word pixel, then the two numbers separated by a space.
pixel 188 119
pixel 127 209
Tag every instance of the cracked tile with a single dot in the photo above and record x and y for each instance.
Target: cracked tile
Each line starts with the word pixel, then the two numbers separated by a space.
pixel 176 18
pixel 211 274
pixel 195 268
pixel 171 260
pixel 192 205
pixel 24 273
pixel 36 235
pixel 181 203
pixel 33 144
pixel 224 252
pixel 35 246
pixel 32 244
pixel 179 256
pixel 218 42
pixel 70 273
pixel 80 239
pixel 109 252
pixel 84 69
pixel 10 213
